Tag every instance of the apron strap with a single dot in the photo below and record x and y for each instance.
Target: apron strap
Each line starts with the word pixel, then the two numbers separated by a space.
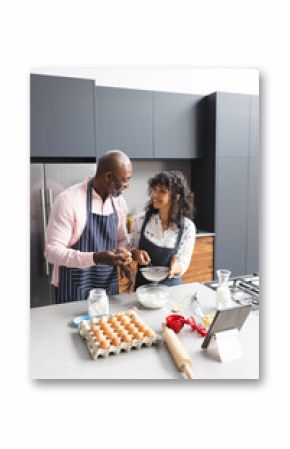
pixel 179 236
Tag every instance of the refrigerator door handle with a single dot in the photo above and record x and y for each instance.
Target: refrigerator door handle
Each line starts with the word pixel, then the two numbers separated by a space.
pixel 44 222
pixel 49 202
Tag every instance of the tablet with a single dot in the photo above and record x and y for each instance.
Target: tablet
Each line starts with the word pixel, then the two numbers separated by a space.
pixel 225 320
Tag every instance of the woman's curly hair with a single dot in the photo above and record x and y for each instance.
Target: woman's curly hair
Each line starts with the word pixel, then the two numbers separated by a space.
pixel 182 204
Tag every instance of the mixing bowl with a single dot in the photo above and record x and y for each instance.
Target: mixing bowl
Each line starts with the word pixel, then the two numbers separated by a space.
pixel 153 296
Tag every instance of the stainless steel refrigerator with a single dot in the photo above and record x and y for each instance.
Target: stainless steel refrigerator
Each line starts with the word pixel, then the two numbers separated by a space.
pixel 46 182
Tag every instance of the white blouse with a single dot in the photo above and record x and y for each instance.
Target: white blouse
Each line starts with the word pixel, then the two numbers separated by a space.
pixel 167 239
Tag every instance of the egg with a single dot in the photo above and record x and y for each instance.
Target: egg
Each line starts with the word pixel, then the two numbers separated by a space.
pixel 127 338
pixel 149 333
pixel 104 344
pixel 138 335
pixel 116 341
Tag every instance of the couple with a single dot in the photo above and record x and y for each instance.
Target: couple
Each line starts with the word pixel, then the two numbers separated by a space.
pixel 87 237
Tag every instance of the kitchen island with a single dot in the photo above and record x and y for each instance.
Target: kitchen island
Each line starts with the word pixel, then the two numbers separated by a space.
pixel 59 352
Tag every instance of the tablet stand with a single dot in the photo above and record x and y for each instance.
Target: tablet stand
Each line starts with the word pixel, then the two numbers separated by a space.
pixel 226 344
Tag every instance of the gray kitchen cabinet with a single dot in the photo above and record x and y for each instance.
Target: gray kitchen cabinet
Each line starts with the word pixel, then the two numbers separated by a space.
pixel 62 117
pixel 231 193
pixel 236 190
pixel 252 253
pixel 254 126
pixel 252 242
pixel 232 124
pixel 124 121
pixel 177 125
pixel 226 181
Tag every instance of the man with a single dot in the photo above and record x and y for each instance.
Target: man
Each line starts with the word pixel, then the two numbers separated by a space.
pixel 86 233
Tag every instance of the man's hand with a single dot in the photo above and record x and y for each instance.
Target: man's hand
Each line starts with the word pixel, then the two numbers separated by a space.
pixel 141 256
pixel 116 257
pixel 174 268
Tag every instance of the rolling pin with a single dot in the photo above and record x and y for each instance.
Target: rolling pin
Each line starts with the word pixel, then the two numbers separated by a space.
pixel 179 354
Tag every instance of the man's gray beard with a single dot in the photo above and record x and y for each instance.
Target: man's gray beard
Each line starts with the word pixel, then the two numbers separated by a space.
pixel 115 194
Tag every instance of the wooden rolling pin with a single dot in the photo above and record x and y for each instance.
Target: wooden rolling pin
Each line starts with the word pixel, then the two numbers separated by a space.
pixel 179 354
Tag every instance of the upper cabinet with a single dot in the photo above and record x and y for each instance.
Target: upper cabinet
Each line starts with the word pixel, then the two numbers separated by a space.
pixel 177 125
pixel 62 118
pixel 232 124
pixel 124 121
pixel 73 118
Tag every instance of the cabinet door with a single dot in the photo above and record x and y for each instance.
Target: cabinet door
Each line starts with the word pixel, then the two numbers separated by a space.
pixel 254 126
pixel 231 214
pixel 177 126
pixel 62 117
pixel 124 121
pixel 252 254
pixel 232 125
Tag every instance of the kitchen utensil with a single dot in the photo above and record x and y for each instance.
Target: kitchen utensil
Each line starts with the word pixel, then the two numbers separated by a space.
pixel 153 296
pixel 76 321
pixel 178 352
pixel 154 274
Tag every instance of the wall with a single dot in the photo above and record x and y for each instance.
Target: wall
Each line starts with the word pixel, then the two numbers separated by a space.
pixel 137 196
pixel 187 80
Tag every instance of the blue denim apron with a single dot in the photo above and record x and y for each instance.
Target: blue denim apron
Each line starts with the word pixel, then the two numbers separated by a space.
pixel 100 234
pixel 160 257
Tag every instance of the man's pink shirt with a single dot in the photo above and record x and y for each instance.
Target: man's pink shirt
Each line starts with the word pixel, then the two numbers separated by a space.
pixel 67 222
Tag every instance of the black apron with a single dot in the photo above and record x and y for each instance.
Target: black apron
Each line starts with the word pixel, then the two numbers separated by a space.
pixel 100 234
pixel 160 257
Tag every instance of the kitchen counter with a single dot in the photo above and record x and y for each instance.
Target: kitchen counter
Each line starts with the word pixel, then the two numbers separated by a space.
pixel 201 233
pixel 58 351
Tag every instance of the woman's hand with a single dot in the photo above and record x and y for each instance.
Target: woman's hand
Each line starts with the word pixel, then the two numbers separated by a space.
pixel 174 268
pixel 141 256
pixel 127 272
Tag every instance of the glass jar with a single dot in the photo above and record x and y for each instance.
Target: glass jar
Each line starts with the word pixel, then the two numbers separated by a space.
pixel 223 292
pixel 98 302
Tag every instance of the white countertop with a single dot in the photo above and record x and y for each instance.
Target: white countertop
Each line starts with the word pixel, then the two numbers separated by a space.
pixel 59 352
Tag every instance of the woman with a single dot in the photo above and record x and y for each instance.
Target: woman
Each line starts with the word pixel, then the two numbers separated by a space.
pixel 165 234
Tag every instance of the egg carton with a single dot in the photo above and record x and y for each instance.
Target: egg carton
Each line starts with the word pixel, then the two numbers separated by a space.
pixel 115 333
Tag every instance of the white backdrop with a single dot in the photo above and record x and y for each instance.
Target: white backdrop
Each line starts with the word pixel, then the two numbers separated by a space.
pixel 144 34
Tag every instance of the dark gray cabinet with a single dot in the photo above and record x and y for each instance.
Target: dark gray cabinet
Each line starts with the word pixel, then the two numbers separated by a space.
pixel 226 181
pixel 252 248
pixel 124 121
pixel 252 253
pixel 231 213
pixel 177 125
pixel 232 125
pixel 62 117
pixel 236 187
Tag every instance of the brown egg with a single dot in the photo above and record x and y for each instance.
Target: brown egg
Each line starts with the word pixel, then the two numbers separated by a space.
pixel 116 341
pixel 149 333
pixel 104 344
pixel 138 335
pixel 98 333
pixel 127 338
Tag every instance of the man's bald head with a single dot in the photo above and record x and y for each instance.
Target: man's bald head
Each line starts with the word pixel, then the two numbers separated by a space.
pixel 113 174
pixel 112 161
